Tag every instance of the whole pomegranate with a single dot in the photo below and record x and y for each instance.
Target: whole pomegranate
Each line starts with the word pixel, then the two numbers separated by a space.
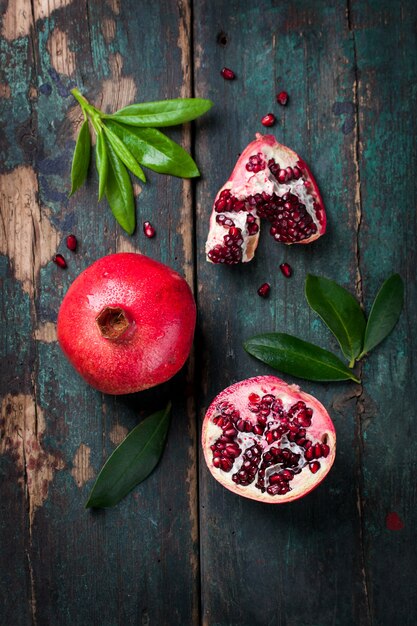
pixel 269 181
pixel 127 323
pixel 267 440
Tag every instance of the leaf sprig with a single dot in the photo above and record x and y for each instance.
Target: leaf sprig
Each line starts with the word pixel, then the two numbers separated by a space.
pixel 342 314
pixel 132 461
pixel 128 139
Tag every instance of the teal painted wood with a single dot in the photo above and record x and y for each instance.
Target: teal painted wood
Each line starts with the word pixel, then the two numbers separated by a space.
pixel 328 559
pixel 388 160
pixel 320 560
pixel 138 563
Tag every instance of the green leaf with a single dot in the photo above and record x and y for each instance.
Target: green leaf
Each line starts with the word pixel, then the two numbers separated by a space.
pixel 102 164
pixel 155 150
pixel 299 358
pixel 132 461
pixel 124 154
pixel 81 158
pixel 384 313
pixel 162 113
pixel 119 192
pixel 340 311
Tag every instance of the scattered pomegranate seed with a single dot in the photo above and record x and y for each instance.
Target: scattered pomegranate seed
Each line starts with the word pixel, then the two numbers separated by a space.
pixel 282 98
pixel 72 243
pixel 60 261
pixel 148 229
pixel 393 521
pixel 268 120
pixel 228 74
pixel 286 269
pixel 264 290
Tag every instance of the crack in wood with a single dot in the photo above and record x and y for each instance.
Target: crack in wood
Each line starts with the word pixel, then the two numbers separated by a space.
pixel 360 409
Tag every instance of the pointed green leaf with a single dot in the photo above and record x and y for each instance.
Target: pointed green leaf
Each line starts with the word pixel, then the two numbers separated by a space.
pixel 340 311
pixel 102 164
pixel 155 150
pixel 132 461
pixel 119 192
pixel 81 158
pixel 299 358
pixel 384 313
pixel 124 154
pixel 162 113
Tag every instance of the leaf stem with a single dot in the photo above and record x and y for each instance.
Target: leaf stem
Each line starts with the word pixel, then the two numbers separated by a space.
pixel 85 105
pixel 352 362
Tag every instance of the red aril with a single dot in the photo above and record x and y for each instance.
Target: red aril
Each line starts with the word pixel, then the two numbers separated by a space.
pixel 268 120
pixel 282 98
pixel 127 323
pixel 271 182
pixel 267 440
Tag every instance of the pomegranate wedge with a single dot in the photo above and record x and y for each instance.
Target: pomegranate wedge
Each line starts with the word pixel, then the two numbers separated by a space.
pixel 272 182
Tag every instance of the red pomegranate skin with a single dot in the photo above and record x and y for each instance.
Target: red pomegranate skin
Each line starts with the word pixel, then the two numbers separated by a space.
pixel 160 311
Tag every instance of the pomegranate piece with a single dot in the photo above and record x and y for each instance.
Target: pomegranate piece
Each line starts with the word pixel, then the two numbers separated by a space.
pixel 228 74
pixel 149 230
pixel 268 120
pixel 286 269
pixel 269 182
pixel 282 98
pixel 60 261
pixel 262 437
pixel 127 323
pixel 264 290
pixel 71 243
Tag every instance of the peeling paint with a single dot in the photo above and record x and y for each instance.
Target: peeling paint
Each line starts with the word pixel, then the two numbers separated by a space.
pixel 82 471
pixel 21 213
pixel 17 19
pixel 44 8
pixel 114 5
pixel 5 91
pixel 46 332
pixel 22 428
pixel 117 91
pixel 62 58
pixel 117 434
pixel 137 189
pixel 108 28
pixel 125 245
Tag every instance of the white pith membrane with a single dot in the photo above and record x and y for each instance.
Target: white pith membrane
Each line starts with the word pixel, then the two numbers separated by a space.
pixel 291 477
pixel 224 246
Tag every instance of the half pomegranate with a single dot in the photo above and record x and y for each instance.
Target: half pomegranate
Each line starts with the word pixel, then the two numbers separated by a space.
pixel 269 181
pixel 269 441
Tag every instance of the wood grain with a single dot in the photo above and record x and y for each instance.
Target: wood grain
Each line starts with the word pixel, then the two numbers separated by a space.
pixel 182 550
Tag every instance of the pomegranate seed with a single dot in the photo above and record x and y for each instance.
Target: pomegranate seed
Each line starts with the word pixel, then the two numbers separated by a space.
pixel 325 450
pixel 393 521
pixel 60 261
pixel 268 120
pixel 72 243
pixel 286 269
pixel 228 74
pixel 314 467
pixel 253 398
pixel 282 176
pixel 264 290
pixel 282 98
pixel 148 229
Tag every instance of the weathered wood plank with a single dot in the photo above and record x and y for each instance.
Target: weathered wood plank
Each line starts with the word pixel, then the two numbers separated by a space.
pixel 136 564
pixel 384 40
pixel 303 563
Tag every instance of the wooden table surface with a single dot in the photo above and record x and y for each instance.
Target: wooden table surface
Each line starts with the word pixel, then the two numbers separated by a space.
pixel 181 550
